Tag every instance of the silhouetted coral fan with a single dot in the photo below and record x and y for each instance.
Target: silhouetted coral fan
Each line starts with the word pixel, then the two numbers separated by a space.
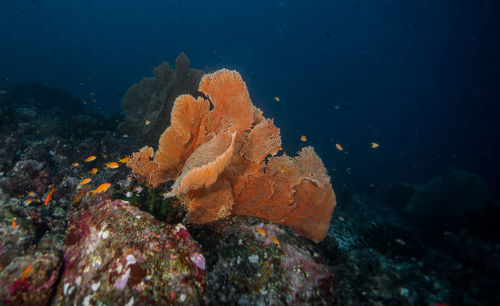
pixel 152 99
pixel 217 157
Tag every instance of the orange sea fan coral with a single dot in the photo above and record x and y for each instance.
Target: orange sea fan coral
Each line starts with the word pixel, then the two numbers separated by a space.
pixel 233 109
pixel 218 157
pixel 263 140
pixel 142 164
pixel 303 187
pixel 192 123
pixel 205 164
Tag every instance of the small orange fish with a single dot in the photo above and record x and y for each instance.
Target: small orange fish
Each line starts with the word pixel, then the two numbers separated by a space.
pixel 76 164
pixel 339 147
pixel 90 158
pixel 277 99
pixel 275 240
pixel 375 145
pixel 261 231
pixel 147 122
pixel 124 160
pixel 85 181
pixel 303 138
pixel 93 171
pixel 101 188
pixel 112 165
pixel 31 193
pixel 26 272
pixel 14 224
pixel 29 201
pixel 49 196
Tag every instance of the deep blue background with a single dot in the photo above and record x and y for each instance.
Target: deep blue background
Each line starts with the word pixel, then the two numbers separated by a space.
pixel 418 77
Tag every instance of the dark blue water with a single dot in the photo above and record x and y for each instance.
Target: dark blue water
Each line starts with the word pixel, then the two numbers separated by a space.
pixel 418 77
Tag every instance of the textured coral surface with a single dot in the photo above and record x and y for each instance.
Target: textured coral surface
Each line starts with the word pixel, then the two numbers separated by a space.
pixel 115 253
pixel 216 148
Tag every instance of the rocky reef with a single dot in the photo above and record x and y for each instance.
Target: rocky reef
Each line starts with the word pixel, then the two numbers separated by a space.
pixel 77 226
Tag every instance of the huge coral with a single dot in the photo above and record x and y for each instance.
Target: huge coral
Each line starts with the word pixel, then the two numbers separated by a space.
pixel 216 148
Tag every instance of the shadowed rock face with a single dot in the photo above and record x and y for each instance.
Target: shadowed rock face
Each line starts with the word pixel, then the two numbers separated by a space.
pixel 255 262
pixel 152 99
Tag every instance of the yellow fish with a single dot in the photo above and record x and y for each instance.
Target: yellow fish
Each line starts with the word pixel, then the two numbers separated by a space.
pixel 375 145
pixel 112 165
pixel 90 158
pixel 147 122
pixel 303 138
pixel 260 231
pixel 49 196
pixel 339 147
pixel 26 272
pixel 124 160
pixel 93 171
pixel 101 188
pixel 277 99
pixel 85 181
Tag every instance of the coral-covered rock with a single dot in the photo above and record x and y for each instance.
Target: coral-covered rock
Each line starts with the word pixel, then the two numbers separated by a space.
pixel 115 253
pixel 256 262
pixel 30 279
pixel 27 175
pixel 14 241
pixel 8 148
pixel 30 251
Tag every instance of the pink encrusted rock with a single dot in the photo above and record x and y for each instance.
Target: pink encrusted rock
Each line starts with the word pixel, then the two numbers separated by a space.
pixel 198 259
pixel 262 263
pixel 116 254
pixel 38 283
